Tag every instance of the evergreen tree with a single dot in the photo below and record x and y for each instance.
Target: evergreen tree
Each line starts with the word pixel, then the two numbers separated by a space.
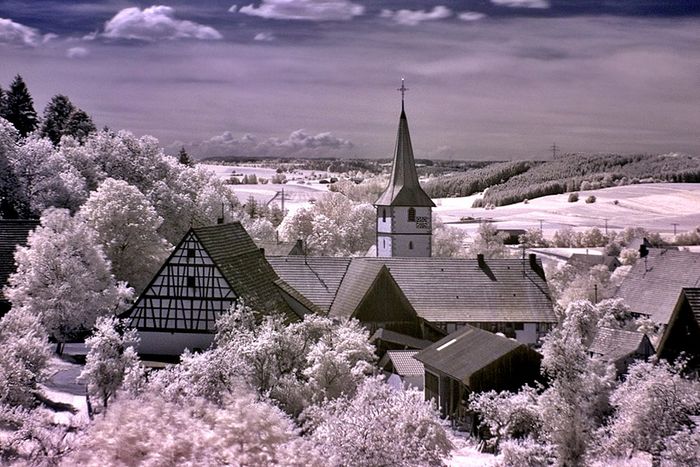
pixel 3 102
pixel 185 158
pixel 80 125
pixel 19 107
pixel 56 116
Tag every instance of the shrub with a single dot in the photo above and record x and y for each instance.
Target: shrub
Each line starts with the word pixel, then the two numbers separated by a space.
pixel 573 197
pixel 591 199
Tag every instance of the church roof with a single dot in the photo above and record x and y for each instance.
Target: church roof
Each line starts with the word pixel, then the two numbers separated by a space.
pixel 654 283
pixel 12 233
pixel 404 189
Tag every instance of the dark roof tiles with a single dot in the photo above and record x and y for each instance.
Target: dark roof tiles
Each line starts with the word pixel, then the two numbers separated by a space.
pixel 616 344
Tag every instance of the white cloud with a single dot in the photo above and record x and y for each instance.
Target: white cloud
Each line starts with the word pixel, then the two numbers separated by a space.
pixel 522 3
pixel 471 16
pixel 77 52
pixel 18 34
pixel 233 9
pixel 299 143
pixel 264 36
pixel 414 17
pixel 310 10
pixel 155 23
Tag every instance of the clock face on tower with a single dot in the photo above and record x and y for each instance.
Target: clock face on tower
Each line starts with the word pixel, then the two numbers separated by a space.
pixel 422 222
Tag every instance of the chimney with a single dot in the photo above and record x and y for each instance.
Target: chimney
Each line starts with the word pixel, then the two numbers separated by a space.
pixel 533 261
pixel 219 220
pixel 299 244
pixel 262 251
pixel 480 260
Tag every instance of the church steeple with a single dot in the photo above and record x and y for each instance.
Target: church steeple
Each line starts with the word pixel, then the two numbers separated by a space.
pixel 404 210
pixel 404 189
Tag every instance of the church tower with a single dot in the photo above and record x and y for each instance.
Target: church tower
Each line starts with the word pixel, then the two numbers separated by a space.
pixel 404 210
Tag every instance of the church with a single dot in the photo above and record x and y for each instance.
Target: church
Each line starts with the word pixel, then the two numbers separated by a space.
pixel 406 298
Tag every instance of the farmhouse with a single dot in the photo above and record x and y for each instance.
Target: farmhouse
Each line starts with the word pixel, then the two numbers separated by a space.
pixel 13 233
pixel 621 347
pixel 682 335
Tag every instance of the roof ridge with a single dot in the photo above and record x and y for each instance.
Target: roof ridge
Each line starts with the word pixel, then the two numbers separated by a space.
pixel 342 279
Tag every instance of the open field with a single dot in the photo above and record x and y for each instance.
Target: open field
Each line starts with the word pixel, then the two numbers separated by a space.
pixel 655 207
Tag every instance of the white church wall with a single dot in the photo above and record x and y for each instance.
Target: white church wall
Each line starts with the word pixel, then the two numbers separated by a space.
pixel 411 245
pixel 384 221
pixel 384 246
pixel 422 224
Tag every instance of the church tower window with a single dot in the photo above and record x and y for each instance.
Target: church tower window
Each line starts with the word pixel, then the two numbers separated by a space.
pixel 383 214
pixel 410 245
pixel 411 215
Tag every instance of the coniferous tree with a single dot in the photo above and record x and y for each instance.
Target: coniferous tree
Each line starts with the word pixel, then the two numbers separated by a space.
pixel 56 116
pixel 19 107
pixel 185 158
pixel 80 125
pixel 3 102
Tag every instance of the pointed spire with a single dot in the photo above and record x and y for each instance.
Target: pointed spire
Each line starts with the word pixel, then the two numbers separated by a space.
pixel 404 189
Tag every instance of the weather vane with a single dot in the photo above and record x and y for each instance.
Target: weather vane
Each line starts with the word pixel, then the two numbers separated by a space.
pixel 403 90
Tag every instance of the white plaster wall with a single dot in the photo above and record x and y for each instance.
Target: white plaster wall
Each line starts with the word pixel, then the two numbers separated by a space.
pixel 384 243
pixel 402 225
pixel 172 343
pixel 384 225
pixel 421 245
pixel 528 335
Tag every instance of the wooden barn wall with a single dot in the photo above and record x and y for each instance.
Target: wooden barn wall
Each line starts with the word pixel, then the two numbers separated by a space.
pixel 683 335
pixel 509 372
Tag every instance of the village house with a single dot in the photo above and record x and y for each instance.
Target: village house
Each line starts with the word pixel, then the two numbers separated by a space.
pixel 621 347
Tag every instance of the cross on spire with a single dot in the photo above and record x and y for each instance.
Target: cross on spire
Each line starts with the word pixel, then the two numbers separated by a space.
pixel 403 90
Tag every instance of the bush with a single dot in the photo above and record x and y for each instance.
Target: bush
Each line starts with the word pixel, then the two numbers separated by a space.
pixel 573 197
pixel 591 199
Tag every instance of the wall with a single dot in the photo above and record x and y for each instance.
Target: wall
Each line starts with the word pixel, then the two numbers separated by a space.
pixel 172 343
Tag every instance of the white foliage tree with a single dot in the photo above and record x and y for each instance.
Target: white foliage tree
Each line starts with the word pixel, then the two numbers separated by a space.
pixel 448 242
pixel 111 358
pixel 489 242
pixel 378 426
pixel 64 277
pixel 127 227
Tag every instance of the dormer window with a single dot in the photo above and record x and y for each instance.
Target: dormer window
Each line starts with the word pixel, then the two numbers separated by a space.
pixel 411 215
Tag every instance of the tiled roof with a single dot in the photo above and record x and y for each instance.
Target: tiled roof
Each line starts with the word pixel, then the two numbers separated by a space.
pixel 439 289
pixel 292 292
pixel 273 248
pixel 315 277
pixel 12 233
pixel 403 188
pixel 693 297
pixel 654 283
pixel 615 344
pixel 404 363
pixel 466 351
pixel 243 265
pixel 394 337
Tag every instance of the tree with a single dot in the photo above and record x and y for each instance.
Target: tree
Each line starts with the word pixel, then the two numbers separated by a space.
pixel 184 158
pixel 111 357
pixel 127 227
pixel 63 277
pixel 56 116
pixel 653 404
pixel 378 426
pixel 489 242
pixel 3 102
pixel 13 202
pixel 448 242
pixel 19 107
pixel 80 125
pixel 24 357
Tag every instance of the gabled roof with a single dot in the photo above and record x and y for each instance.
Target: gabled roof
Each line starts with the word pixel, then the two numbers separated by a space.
pixel 357 281
pixel 273 248
pixel 315 277
pixel 692 295
pixel 393 337
pixel 243 266
pixel 616 344
pixel 439 289
pixel 12 233
pixel 654 283
pixel 403 362
pixel 466 351
pixel 404 189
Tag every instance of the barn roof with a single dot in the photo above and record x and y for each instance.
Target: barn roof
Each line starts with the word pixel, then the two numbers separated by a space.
pixel 654 283
pixel 403 188
pixel 315 277
pixel 439 289
pixel 466 351
pixel 12 233
pixel 243 265
pixel 692 295
pixel 274 248
pixel 393 337
pixel 403 362
pixel 616 344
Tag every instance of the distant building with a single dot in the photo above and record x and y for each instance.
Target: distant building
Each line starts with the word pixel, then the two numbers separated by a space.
pixel 404 210
pixel 620 347
pixel 13 233
pixel 472 360
pixel 276 248
pixel 210 270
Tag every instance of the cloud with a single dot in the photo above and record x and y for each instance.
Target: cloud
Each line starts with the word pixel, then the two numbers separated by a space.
pixel 299 143
pixel 233 9
pixel 309 10
pixel 155 23
pixel 414 17
pixel 18 34
pixel 77 52
pixel 264 36
pixel 471 16
pixel 522 3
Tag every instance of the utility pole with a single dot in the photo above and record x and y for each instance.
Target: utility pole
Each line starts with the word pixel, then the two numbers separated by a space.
pixel 541 221
pixel 675 225
pixel 554 150
pixel 606 226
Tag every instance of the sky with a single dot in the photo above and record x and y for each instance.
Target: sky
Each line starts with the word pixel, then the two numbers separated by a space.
pixel 487 79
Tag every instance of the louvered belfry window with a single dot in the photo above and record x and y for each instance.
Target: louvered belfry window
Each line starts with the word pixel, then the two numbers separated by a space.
pixel 411 215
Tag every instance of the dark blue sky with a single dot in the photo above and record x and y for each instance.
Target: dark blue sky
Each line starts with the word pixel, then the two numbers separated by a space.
pixel 495 79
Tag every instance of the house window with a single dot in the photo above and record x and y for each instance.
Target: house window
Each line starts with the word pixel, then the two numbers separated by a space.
pixel 190 282
pixel 411 215
pixel 190 252
pixel 383 214
pixel 410 245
